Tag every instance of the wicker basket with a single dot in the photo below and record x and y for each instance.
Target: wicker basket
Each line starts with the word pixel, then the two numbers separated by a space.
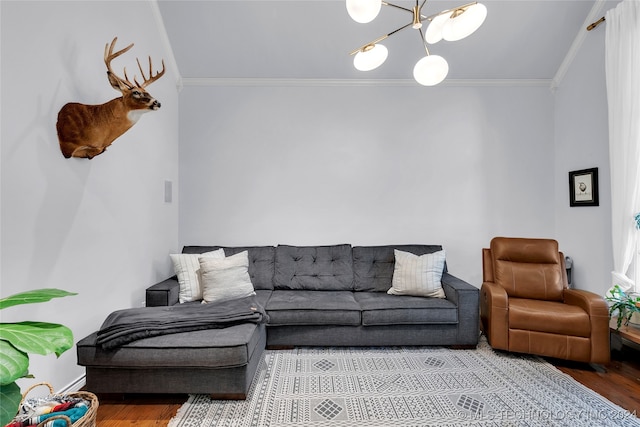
pixel 87 420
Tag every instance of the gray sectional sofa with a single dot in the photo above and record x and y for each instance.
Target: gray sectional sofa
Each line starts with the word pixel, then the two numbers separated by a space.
pixel 313 295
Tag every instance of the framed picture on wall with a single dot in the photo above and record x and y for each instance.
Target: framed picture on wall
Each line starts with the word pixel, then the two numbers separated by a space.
pixel 583 187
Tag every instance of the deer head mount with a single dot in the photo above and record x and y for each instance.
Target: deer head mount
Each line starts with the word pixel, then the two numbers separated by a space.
pixel 87 130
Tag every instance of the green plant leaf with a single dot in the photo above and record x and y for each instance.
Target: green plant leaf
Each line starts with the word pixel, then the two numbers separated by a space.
pixel 10 397
pixel 31 297
pixel 14 363
pixel 19 339
pixel 37 337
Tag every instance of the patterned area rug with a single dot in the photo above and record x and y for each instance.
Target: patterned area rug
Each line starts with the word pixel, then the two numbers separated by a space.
pixel 406 386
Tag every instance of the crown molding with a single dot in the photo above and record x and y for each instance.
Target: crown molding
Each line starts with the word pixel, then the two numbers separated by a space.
pixel 166 43
pixel 278 82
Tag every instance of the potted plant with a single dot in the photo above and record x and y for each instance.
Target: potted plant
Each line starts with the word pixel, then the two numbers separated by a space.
pixel 626 305
pixel 17 340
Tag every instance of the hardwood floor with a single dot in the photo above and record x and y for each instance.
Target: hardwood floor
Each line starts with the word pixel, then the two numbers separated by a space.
pixel 619 382
pixel 138 410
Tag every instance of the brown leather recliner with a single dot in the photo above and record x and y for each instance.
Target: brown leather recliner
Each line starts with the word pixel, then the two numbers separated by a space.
pixel 527 307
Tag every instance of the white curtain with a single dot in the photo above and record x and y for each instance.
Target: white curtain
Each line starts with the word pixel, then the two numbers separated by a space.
pixel 622 65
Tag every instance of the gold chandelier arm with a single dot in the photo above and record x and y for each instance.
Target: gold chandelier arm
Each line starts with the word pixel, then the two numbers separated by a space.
pixel 424 41
pixel 464 6
pixel 371 43
pixel 379 39
pixel 397 7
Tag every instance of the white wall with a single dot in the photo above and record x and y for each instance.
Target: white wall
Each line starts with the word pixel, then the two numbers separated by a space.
pixel 582 141
pixel 367 165
pixel 268 165
pixel 97 227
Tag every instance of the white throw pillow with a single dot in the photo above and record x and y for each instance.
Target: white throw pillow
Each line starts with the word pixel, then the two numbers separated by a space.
pixel 225 279
pixel 186 267
pixel 418 275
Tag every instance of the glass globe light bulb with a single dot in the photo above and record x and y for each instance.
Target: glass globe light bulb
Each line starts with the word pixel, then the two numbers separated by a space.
pixel 363 11
pixel 430 70
pixel 370 57
pixel 464 23
pixel 434 30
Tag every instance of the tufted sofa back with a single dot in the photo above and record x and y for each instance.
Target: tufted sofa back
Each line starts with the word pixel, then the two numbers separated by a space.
pixel 316 268
pixel 373 265
pixel 330 268
pixel 528 268
pixel 261 261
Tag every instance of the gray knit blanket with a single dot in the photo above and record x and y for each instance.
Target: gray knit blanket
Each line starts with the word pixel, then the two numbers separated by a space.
pixel 124 326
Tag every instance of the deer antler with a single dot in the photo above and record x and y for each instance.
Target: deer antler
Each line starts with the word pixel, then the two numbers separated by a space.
pixel 152 78
pixel 110 56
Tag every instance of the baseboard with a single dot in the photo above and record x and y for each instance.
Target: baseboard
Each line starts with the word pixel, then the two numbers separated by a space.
pixel 74 386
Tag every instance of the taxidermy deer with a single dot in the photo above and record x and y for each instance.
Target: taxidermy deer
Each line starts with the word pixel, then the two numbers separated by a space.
pixel 87 130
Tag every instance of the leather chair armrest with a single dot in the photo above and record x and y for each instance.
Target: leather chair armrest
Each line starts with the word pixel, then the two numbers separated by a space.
pixel 494 314
pixel 598 311
pixel 589 301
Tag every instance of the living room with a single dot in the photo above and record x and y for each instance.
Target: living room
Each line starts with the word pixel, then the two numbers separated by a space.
pixel 278 160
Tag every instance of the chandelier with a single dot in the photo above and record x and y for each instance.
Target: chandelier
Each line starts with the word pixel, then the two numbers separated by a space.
pixel 451 25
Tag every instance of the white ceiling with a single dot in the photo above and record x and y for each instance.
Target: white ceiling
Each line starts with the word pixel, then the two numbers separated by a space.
pixel 311 39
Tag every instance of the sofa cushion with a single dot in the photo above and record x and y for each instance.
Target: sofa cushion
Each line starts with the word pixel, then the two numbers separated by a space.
pixel 210 348
pixel 552 317
pixel 263 295
pixel 373 265
pixel 261 261
pixel 315 268
pixel 302 307
pixel 379 308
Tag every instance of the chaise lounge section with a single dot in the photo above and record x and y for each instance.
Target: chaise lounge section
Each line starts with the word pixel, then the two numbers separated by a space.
pixel 313 296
